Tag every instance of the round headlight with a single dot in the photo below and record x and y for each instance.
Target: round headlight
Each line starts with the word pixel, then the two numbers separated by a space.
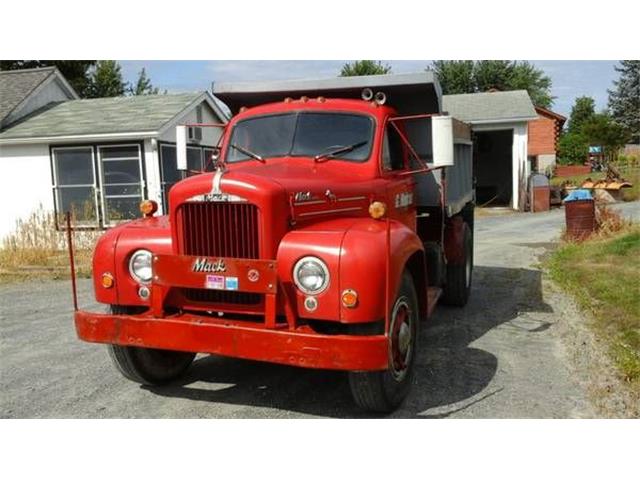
pixel 311 275
pixel 140 266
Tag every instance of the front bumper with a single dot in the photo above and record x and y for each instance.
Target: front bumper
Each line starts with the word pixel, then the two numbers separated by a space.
pixel 195 333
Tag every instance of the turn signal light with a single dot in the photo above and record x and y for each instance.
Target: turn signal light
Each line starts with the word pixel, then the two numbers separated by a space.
pixel 107 280
pixel 349 298
pixel 377 210
pixel 148 208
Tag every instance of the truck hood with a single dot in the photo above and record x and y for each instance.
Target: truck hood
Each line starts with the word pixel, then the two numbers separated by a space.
pixel 298 181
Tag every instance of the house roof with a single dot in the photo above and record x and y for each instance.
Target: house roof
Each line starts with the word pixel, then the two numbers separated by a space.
pixel 490 107
pixel 101 116
pixel 549 113
pixel 17 85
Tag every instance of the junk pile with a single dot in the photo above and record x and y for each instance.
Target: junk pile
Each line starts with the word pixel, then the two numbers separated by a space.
pixel 607 190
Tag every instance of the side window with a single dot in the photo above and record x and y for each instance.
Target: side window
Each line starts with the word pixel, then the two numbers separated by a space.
pixel 392 150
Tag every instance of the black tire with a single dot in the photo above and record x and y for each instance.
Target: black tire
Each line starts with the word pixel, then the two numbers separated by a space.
pixel 148 366
pixel 385 391
pixel 458 283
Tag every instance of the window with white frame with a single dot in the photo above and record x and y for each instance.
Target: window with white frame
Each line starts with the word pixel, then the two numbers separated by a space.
pixel 122 183
pixel 99 184
pixel 74 184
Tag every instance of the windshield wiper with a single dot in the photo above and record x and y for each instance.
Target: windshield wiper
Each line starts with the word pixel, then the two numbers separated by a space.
pixel 339 150
pixel 248 152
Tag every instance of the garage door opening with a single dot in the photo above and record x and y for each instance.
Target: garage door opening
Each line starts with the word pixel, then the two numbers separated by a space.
pixel 493 167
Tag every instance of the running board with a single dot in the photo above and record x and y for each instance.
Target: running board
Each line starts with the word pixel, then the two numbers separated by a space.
pixel 433 294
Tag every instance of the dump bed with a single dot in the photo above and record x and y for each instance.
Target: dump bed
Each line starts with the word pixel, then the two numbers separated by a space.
pixel 410 94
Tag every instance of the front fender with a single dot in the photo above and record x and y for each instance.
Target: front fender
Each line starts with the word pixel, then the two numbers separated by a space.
pixel 354 250
pixel 113 251
pixel 363 265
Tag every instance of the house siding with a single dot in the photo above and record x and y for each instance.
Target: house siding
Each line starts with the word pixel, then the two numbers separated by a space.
pixel 542 136
pixel 25 183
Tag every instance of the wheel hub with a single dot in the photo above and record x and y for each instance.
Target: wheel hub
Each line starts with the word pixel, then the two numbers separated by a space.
pixel 400 338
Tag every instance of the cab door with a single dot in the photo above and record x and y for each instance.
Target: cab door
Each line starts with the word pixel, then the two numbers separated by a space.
pixel 400 191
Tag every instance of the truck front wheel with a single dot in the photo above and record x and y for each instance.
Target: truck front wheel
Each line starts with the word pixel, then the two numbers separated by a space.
pixel 385 391
pixel 148 366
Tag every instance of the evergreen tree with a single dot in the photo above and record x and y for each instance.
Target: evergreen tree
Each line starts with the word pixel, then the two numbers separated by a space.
pixel 143 85
pixel 106 80
pixel 624 99
pixel 364 67
pixel 582 112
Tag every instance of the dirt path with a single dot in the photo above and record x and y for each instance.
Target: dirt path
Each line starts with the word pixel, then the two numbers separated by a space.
pixel 500 357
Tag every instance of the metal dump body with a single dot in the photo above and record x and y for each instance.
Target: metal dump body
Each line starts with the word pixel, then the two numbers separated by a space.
pixel 409 94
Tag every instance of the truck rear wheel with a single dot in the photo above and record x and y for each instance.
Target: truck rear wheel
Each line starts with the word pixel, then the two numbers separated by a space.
pixel 458 283
pixel 148 366
pixel 385 391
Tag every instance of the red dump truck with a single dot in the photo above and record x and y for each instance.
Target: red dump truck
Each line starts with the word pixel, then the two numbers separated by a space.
pixel 339 213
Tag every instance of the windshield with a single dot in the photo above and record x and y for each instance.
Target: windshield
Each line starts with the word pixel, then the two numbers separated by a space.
pixel 302 134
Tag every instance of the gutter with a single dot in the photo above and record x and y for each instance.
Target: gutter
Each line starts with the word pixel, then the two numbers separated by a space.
pixel 94 136
pixel 500 120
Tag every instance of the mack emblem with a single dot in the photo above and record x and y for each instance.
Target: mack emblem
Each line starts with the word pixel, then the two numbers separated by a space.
pixel 202 265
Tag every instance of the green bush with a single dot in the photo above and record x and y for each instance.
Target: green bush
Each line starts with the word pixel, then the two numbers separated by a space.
pixel 573 149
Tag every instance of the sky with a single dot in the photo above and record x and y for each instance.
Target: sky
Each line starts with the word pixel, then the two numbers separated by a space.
pixel 570 79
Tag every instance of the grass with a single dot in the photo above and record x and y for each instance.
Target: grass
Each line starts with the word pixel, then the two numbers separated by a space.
pixel 603 273
pixel 629 173
pixel 37 251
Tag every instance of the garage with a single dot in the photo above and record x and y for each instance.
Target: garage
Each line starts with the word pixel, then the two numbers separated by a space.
pixel 499 121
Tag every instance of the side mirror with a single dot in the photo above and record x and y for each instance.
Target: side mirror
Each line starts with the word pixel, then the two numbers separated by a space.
pixel 442 134
pixel 181 147
pixel 215 154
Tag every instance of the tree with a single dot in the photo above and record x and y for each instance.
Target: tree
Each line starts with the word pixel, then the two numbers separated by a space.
pixel 601 129
pixel 583 110
pixel 106 80
pixel 455 76
pixel 142 86
pixel 77 72
pixel 525 76
pixel 364 67
pixel 573 149
pixel 624 100
pixel 466 76
pixel 488 74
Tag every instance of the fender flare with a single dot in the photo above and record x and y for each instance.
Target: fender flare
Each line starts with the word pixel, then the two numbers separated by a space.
pixel 363 266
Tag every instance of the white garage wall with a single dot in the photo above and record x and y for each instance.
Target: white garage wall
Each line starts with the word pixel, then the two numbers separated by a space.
pixel 25 183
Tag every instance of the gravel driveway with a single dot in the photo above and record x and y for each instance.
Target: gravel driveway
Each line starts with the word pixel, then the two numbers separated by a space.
pixel 499 357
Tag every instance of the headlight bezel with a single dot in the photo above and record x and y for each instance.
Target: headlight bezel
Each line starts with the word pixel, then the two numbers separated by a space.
pixel 132 270
pixel 325 270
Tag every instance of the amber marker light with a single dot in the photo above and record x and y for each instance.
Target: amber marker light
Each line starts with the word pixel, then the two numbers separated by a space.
pixel 148 208
pixel 349 298
pixel 377 210
pixel 107 280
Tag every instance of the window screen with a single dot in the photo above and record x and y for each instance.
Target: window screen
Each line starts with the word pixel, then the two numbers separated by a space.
pixel 74 184
pixel 121 182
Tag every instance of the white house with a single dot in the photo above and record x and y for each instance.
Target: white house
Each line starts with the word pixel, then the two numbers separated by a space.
pixel 97 157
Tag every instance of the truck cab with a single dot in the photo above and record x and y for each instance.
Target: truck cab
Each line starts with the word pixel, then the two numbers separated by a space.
pixel 328 231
